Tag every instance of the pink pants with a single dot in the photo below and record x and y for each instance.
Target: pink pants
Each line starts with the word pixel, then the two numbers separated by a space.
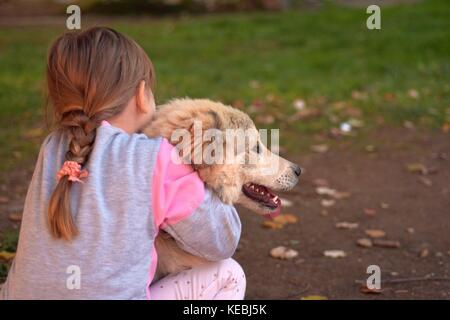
pixel 222 280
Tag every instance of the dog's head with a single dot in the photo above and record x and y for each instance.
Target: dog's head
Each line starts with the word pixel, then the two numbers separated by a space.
pixel 225 148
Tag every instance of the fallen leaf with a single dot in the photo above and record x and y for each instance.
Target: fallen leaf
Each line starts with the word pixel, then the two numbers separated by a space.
pixel 266 119
pixel 417 168
pixel 386 243
pixel 370 148
pixel 426 181
pixel 356 123
pixel 334 254
pixel 413 93
pixel 286 202
pixel 446 128
pixel 409 125
pixel 341 195
pixel 347 225
pixel 325 191
pixel 369 212
pixel 283 253
pixel 7 256
pixel 299 104
pixel 319 182
pixel 306 113
pixel 424 253
pixel 320 148
pixel 16 217
pixel 410 230
pixel 327 203
pixel 332 193
pixel 366 290
pixel 364 242
pixel 313 297
pixel 374 233
pixel 384 205
pixel 279 221
pixel 353 112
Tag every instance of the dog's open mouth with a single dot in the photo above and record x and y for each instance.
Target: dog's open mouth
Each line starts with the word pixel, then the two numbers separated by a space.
pixel 263 196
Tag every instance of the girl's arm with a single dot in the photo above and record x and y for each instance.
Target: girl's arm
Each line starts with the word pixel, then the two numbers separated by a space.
pixel 194 216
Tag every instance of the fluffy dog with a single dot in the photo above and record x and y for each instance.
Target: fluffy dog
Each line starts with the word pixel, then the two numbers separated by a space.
pixel 239 181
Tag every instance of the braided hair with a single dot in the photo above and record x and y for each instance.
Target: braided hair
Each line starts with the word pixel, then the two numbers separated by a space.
pixel 91 76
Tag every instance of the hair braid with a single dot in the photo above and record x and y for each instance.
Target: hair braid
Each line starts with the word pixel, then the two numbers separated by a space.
pixel 82 132
pixel 86 85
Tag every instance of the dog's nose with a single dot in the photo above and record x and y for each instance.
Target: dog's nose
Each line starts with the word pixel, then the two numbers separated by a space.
pixel 297 170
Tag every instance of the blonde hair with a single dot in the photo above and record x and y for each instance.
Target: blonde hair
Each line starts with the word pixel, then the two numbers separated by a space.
pixel 91 76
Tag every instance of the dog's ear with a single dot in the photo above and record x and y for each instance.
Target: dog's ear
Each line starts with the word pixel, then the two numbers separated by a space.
pixel 181 114
pixel 187 119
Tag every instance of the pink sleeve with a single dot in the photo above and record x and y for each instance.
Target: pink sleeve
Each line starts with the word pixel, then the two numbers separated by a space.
pixel 177 190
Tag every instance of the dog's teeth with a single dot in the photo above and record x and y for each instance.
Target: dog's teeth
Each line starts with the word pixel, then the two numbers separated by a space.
pixel 275 199
pixel 252 187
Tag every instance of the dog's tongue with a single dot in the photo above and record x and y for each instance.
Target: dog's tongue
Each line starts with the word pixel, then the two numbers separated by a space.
pixel 273 214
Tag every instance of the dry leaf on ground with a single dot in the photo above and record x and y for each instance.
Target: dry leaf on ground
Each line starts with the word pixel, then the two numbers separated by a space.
pixel 283 253
pixel 327 203
pixel 320 148
pixel 279 221
pixel 332 193
pixel 416 167
pixel 364 242
pixel 366 290
pixel 314 297
pixel 375 233
pixel 15 217
pixel 334 254
pixel 285 202
pixel 320 182
pixel 7 256
pixel 347 225
pixel 369 212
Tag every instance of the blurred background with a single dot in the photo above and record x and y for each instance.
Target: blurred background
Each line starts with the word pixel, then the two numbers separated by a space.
pixel 366 113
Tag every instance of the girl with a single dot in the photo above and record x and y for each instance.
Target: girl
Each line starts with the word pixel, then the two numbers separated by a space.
pixel 101 191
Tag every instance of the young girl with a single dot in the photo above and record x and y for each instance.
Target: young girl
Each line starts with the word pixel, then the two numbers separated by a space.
pixel 101 191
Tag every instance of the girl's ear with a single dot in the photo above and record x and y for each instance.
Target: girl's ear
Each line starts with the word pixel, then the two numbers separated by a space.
pixel 144 99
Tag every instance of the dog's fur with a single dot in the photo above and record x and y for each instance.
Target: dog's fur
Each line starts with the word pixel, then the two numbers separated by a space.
pixel 225 180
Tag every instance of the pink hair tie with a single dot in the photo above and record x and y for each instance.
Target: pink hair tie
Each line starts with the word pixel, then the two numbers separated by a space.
pixel 73 170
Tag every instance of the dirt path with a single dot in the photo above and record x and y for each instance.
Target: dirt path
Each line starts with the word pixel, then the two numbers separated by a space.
pixel 417 215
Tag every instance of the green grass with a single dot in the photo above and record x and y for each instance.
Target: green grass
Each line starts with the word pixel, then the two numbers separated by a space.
pixel 313 55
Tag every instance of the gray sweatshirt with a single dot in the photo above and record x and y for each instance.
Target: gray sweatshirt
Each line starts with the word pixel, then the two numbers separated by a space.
pixel 133 189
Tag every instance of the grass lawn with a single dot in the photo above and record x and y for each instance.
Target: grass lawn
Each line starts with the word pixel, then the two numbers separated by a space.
pixel 328 58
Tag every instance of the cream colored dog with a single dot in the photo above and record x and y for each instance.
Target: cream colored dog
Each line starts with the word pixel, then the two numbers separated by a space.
pixel 246 176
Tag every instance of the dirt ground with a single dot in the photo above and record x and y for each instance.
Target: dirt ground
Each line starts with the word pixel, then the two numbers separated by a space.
pixel 385 195
pixel 418 216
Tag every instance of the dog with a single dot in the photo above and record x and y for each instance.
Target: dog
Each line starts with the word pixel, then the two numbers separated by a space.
pixel 248 183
